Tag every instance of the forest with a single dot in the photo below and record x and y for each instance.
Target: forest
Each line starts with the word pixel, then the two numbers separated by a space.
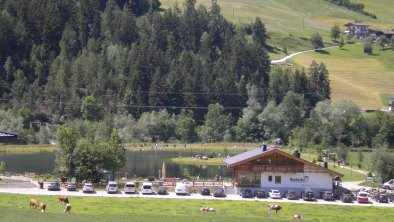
pixel 184 74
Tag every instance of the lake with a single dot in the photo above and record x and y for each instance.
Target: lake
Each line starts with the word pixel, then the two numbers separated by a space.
pixel 138 164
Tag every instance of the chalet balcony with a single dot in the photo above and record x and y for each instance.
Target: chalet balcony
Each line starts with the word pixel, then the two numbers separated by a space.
pixel 272 168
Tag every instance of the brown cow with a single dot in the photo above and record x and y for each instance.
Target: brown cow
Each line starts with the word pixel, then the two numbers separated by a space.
pixel 297 216
pixel 67 209
pixel 63 199
pixel 274 207
pixel 33 203
pixel 43 206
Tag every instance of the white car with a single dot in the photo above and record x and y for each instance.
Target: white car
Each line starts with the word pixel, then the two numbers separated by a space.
pixel 180 189
pixel 389 184
pixel 88 188
pixel 112 187
pixel 129 187
pixel 274 194
pixel 146 188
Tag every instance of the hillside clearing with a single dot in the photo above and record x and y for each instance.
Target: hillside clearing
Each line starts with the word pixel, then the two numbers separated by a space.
pixel 355 75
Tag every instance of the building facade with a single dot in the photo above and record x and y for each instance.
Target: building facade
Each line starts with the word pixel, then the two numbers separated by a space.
pixel 391 103
pixel 266 168
pixel 357 30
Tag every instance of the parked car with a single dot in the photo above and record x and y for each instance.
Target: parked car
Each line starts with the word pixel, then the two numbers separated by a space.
pixel 274 194
pixel 180 189
pixel 219 192
pixel 362 197
pixel 112 187
pixel 347 198
pixel 54 186
pixel 205 191
pixel 389 184
pixel 259 194
pixel 162 190
pixel 146 188
pixel 88 188
pixel 291 195
pixel 129 187
pixel 309 196
pixel 381 198
pixel 328 196
pixel 71 187
pixel 247 193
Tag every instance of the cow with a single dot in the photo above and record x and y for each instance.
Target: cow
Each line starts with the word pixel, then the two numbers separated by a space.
pixel 63 199
pixel 207 209
pixel 297 216
pixel 274 207
pixel 33 203
pixel 67 209
pixel 43 206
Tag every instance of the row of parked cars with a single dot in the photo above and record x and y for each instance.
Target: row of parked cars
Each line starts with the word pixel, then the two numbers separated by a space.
pixel 111 187
pixel 360 197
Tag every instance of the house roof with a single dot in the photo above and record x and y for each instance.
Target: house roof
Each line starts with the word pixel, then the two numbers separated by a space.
pixel 356 24
pixel 390 97
pixel 258 152
pixel 388 32
pixel 8 135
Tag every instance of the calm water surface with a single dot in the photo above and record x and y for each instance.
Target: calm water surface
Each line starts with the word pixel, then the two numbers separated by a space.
pixel 138 163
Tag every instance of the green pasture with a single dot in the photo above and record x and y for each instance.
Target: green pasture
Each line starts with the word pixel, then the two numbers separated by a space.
pixel 366 162
pixel 355 75
pixel 291 23
pixel 15 207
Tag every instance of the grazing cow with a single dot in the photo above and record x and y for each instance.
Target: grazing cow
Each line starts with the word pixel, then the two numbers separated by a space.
pixel 207 209
pixel 33 203
pixel 43 206
pixel 297 216
pixel 274 207
pixel 63 199
pixel 67 209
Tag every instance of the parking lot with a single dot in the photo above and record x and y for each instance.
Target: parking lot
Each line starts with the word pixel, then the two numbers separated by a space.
pixel 121 194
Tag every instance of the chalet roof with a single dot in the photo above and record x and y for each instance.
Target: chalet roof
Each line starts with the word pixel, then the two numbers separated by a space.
pixel 356 24
pixel 388 32
pixel 390 97
pixel 375 29
pixel 258 153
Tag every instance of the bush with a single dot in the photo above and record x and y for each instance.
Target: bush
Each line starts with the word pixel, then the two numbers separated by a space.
pixel 151 178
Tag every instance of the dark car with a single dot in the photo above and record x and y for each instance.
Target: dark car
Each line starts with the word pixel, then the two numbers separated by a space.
pixel 347 198
pixel 309 196
pixel 260 194
pixel 247 193
pixel 205 191
pixel 162 190
pixel 328 196
pixel 219 192
pixel 390 197
pixel 54 186
pixel 291 195
pixel 381 198
pixel 71 187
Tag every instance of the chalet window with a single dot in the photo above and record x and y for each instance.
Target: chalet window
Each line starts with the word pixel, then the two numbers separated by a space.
pixel 258 162
pixel 278 179
pixel 269 178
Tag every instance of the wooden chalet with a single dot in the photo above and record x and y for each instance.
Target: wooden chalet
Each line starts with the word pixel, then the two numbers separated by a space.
pixel 8 137
pixel 267 168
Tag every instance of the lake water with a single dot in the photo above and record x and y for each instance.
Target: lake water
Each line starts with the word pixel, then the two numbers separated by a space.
pixel 138 163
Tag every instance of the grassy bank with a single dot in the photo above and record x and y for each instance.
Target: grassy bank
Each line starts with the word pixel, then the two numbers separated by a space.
pixel 15 208
pixel 197 161
pixel 28 148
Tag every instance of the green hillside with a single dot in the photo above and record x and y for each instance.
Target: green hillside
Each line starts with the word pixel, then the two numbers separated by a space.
pixel 354 75
pixel 290 23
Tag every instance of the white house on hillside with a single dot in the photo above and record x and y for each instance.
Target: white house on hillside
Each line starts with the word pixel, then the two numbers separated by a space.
pixel 357 30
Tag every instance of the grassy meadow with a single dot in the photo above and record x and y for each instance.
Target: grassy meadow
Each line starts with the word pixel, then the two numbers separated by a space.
pixel 355 75
pixel 291 23
pixel 15 207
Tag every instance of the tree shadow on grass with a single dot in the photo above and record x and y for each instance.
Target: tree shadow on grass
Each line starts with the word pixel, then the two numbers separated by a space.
pixel 321 51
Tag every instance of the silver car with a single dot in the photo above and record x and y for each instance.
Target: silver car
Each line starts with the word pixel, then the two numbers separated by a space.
pixel 88 188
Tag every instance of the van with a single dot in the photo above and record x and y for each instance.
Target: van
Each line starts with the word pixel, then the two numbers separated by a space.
pixel 180 189
pixel 146 188
pixel 112 187
pixel 129 187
